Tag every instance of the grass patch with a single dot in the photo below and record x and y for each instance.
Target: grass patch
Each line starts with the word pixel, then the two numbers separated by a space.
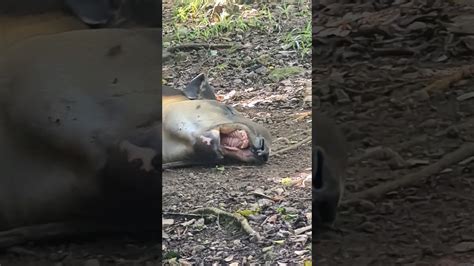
pixel 300 40
pixel 205 20
pixel 279 74
pixel 209 20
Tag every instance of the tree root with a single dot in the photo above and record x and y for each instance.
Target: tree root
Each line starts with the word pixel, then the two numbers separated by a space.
pixel 237 218
pixel 378 191
pixel 50 231
pixel 291 147
pixel 194 46
pixel 445 82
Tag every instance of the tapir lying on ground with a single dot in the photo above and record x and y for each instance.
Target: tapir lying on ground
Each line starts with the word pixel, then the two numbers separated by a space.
pixel 80 130
pixel 222 134
pixel 329 166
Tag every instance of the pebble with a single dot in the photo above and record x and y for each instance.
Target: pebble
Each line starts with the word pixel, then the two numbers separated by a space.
pixel 464 247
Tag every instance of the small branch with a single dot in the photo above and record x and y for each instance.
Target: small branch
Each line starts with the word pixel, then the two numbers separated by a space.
pixel 445 82
pixel 181 214
pixel 194 46
pixel 378 191
pixel 293 146
pixel 50 231
pixel 239 219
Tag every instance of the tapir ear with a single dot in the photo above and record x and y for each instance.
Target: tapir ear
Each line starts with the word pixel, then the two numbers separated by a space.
pixel 199 88
pixel 91 12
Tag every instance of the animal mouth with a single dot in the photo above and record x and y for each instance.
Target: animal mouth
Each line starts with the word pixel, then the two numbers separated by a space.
pixel 234 140
pixel 235 144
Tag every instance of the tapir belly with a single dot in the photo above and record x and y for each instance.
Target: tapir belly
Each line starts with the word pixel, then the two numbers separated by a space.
pixel 37 187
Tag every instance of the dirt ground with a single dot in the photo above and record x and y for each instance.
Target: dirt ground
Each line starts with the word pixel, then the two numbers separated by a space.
pixel 398 75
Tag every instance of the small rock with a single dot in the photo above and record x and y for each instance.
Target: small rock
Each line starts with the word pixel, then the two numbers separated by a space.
pixel 264 203
pixel 368 227
pixel 199 224
pixel 301 230
pixel 291 210
pixel 198 248
pixel 184 263
pixel 415 162
pixel 429 123
pixel 464 247
pixel 421 96
pixel 301 252
pixel 465 96
pixel 268 253
pixel 187 223
pixel 467 161
pixel 417 25
pixel 92 262
pixel 261 70
pixel 167 222
pixel 366 205
pixel 447 170
pixel 279 190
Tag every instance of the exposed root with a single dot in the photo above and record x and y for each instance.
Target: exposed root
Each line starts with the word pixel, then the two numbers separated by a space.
pixel 378 191
pixel 237 218
pixel 194 46
pixel 43 232
pixel 445 82
pixel 291 147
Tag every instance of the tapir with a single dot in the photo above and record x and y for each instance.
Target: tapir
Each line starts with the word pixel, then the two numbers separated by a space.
pixel 82 134
pixel 190 137
pixel 329 166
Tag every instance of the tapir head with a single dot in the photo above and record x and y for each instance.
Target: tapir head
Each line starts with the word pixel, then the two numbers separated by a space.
pixel 197 127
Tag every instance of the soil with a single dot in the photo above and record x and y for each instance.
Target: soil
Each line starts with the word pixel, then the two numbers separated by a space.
pixel 276 195
pixel 373 64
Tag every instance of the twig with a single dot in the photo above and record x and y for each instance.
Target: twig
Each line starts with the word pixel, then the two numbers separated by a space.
pixel 291 147
pixel 192 46
pixel 446 81
pixel 378 191
pixel 181 214
pixel 234 216
pixel 49 231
